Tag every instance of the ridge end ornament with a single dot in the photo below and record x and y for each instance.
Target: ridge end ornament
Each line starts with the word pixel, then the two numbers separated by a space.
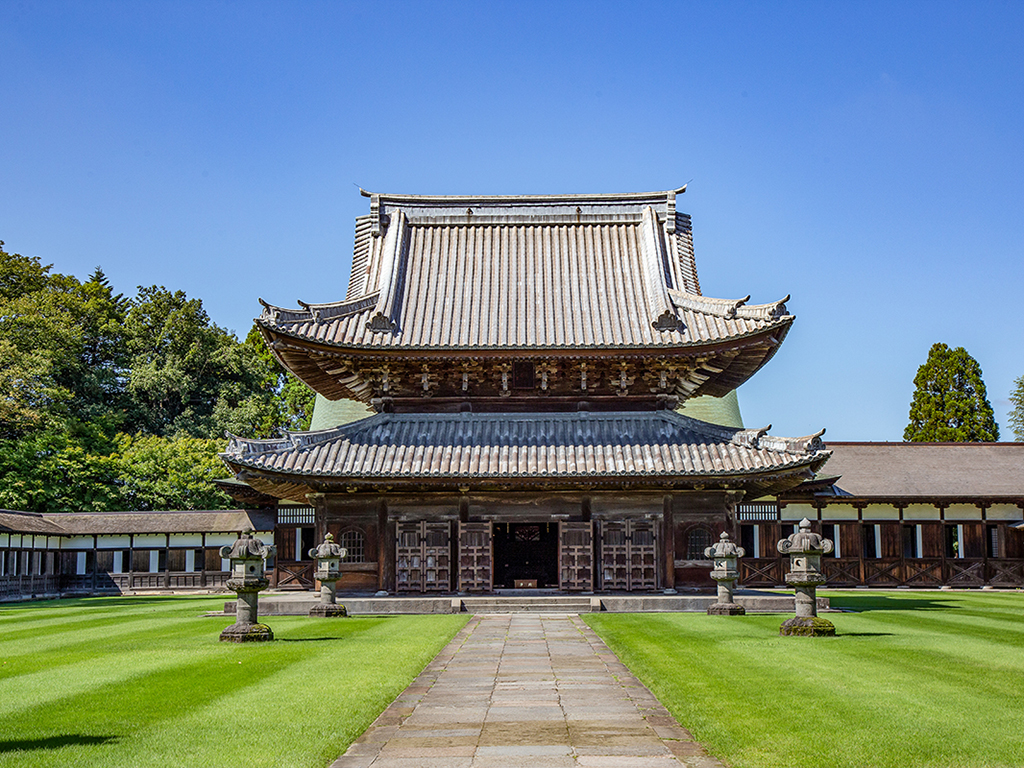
pixel 381 324
pixel 668 322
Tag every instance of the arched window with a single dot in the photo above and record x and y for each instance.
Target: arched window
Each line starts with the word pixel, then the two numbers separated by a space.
pixel 355 542
pixel 697 540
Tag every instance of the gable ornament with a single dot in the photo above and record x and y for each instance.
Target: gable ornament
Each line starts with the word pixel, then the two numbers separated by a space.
pixel 668 322
pixel 381 324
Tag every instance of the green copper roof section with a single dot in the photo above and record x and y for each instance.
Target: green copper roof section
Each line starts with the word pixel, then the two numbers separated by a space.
pixel 724 411
pixel 334 413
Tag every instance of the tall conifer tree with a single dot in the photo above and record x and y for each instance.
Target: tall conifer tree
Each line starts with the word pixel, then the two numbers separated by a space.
pixel 950 404
pixel 1017 413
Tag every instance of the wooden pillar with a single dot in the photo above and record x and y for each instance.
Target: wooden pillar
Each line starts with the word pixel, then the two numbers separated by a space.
pixel 385 549
pixel 668 538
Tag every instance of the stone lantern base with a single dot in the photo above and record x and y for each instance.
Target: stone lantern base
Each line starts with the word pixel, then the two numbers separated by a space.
pixel 247 633
pixel 808 626
pixel 726 609
pixel 327 610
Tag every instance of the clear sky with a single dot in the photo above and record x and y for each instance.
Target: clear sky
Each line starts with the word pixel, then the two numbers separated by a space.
pixel 865 157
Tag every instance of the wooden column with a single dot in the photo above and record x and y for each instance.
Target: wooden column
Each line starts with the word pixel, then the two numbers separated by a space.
pixel 668 538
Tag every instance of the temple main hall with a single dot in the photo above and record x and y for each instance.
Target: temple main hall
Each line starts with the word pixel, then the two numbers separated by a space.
pixel 527 363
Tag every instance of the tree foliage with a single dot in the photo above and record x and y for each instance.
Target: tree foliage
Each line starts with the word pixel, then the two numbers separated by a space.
pixel 950 403
pixel 1017 412
pixel 170 473
pixel 108 402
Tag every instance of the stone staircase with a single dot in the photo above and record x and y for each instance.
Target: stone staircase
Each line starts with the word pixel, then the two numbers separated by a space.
pixel 529 604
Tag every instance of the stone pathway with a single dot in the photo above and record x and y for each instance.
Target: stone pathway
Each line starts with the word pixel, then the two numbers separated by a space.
pixel 530 690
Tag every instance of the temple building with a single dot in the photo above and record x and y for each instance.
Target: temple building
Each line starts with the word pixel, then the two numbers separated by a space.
pixel 524 360
pixel 532 392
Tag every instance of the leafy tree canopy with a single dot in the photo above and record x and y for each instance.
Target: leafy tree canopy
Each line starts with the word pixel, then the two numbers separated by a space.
pixel 108 402
pixel 170 473
pixel 950 403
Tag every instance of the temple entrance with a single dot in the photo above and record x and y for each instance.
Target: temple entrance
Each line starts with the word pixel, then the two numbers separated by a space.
pixel 525 555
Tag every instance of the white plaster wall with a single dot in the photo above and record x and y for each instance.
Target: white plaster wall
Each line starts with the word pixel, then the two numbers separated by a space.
pixel 839 512
pixel 921 512
pixel 145 540
pixel 881 512
pixel 798 512
pixel 1004 512
pixel 113 542
pixel 186 540
pixel 77 542
pixel 963 512
pixel 224 539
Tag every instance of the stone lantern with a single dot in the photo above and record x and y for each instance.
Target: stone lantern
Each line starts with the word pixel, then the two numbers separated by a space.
pixel 328 558
pixel 805 550
pixel 725 554
pixel 247 557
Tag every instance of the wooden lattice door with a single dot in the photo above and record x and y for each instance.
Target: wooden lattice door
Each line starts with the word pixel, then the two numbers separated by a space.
pixel 629 556
pixel 643 555
pixel 614 554
pixel 423 557
pixel 476 557
pixel 575 557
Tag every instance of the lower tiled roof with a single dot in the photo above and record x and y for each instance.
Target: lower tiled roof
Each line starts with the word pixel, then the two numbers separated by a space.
pixel 927 470
pixel 527 445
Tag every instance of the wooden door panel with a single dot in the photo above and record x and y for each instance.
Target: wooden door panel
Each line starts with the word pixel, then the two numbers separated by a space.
pixel 476 557
pixel 576 557
pixel 614 554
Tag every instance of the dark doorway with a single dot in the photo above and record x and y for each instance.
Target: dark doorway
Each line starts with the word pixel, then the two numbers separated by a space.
pixel 527 553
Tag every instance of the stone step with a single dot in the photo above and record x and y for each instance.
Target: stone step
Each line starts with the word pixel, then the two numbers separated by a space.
pixel 528 605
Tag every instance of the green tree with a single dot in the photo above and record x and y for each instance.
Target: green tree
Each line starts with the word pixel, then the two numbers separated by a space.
pixel 115 403
pixel 188 375
pixel 1017 413
pixel 39 342
pixel 170 472
pixel 293 400
pixel 51 471
pixel 950 403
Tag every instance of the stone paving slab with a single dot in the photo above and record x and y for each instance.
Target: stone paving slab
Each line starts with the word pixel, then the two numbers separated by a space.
pixel 530 690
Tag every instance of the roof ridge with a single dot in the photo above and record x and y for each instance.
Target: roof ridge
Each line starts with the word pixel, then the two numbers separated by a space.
pixel 567 197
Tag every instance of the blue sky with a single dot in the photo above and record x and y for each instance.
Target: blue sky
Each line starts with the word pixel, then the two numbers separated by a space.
pixel 866 158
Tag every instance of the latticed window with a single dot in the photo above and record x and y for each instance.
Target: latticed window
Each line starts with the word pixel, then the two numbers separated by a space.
pixel 697 540
pixel 355 543
pixel 295 515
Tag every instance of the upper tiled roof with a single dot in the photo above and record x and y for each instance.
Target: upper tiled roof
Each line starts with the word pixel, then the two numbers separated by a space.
pixel 927 470
pixel 529 272
pixel 583 447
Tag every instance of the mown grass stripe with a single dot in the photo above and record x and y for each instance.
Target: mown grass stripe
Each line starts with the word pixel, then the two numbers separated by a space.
pixel 173 695
pixel 935 685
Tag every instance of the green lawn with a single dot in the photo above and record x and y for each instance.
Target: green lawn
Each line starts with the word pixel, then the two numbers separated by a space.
pixel 144 681
pixel 913 679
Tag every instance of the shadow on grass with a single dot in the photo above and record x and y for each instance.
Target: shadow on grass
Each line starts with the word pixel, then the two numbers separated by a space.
pixel 54 742
pixel 309 639
pixel 865 634
pixel 887 603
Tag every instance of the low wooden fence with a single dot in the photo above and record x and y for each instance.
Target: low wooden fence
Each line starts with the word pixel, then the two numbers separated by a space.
pixel 892 572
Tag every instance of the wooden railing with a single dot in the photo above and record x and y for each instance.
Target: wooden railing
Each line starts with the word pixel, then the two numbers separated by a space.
pixel 892 572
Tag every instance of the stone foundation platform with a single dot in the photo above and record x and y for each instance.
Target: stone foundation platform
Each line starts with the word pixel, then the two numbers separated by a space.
pixel 300 603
